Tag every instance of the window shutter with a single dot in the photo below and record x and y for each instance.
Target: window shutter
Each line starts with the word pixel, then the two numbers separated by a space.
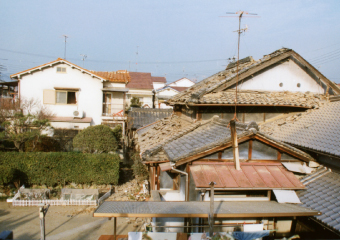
pixel 49 96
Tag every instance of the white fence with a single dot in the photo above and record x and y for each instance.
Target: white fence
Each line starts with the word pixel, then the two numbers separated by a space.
pixel 28 203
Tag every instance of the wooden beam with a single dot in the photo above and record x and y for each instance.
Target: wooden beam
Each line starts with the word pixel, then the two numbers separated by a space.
pixel 220 155
pixel 235 144
pixel 294 154
pixel 246 105
pixel 278 155
pixel 210 151
pixel 199 116
pixel 250 149
pixel 158 177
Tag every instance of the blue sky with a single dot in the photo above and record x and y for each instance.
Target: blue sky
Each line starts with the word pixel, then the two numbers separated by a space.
pixel 175 38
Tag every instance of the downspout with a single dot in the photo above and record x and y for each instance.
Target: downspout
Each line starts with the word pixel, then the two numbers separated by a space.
pixel 186 181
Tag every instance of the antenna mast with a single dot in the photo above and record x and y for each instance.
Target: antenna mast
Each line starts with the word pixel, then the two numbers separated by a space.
pixel 65 36
pixel 84 56
pixel 239 31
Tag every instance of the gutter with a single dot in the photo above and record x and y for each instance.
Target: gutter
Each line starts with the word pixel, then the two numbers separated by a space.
pixel 186 181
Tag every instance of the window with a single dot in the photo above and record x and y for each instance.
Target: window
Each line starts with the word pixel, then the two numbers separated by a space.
pixel 61 69
pixel 66 97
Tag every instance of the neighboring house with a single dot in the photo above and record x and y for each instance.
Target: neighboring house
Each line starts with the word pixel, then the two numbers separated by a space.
pixel 9 89
pixel 317 132
pixel 76 96
pixel 195 140
pixel 158 82
pixel 141 86
pixel 141 117
pixel 170 90
pixel 79 97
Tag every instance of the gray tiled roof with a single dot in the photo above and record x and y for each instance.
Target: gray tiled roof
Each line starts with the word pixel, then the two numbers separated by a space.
pixel 294 99
pixel 317 129
pixel 197 138
pixel 140 117
pixel 205 137
pixel 323 195
pixel 227 78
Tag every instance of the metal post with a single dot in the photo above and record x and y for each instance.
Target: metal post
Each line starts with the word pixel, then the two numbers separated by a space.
pixel 235 144
pixel 42 214
pixel 211 215
pixel 115 227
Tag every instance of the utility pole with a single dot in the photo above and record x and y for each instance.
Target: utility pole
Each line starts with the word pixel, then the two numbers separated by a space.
pixel 65 36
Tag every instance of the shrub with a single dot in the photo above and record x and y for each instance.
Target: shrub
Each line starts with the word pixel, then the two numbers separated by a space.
pixel 58 168
pixel 117 132
pixel 139 169
pixel 44 144
pixel 95 139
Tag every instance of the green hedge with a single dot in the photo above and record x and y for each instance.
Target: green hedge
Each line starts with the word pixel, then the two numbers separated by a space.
pixel 58 168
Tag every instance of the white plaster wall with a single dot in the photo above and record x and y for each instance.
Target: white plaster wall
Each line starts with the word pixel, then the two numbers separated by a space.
pixel 167 92
pixel 144 93
pixel 158 85
pixel 70 125
pixel 90 94
pixel 164 106
pixel 288 73
pixel 111 85
pixel 182 83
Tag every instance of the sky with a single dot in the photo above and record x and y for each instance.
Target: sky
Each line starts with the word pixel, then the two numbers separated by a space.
pixel 173 39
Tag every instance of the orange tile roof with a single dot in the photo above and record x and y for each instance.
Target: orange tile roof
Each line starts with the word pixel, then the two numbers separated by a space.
pixel 53 62
pixel 120 76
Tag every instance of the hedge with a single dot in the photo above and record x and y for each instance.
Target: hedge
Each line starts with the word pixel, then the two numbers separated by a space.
pixel 58 168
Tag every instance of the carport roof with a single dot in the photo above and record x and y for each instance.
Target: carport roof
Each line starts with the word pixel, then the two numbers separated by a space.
pixel 201 209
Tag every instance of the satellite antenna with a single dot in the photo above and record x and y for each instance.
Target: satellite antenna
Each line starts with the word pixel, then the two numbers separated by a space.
pixel 65 36
pixel 84 56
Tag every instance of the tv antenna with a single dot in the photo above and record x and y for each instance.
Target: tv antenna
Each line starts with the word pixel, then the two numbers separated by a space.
pixel 65 36
pixel 239 31
pixel 137 60
pixel 84 56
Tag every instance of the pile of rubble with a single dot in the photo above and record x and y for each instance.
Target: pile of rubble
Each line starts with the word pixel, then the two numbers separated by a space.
pixel 131 191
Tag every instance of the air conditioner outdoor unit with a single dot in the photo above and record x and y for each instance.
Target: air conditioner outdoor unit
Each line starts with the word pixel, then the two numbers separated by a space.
pixel 78 114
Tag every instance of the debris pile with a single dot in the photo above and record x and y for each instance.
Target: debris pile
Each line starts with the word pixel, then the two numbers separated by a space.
pixel 131 191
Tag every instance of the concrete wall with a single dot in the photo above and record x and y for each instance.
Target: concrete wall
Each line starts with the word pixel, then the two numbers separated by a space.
pixel 90 95
pixel 287 73
pixel 69 125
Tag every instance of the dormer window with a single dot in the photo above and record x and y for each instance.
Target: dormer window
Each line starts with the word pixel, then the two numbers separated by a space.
pixel 61 69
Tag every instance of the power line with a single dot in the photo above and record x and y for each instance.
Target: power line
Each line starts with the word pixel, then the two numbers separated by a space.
pixel 325 55
pixel 117 62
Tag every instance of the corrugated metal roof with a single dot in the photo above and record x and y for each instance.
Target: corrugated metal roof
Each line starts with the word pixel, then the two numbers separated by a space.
pixel 201 209
pixel 265 176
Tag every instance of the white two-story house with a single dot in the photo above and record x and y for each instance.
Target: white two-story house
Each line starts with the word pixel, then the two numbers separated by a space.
pixel 76 96
pixel 79 98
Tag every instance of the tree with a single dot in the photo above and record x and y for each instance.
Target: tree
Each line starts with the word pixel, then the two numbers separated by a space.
pixel 135 102
pixel 23 122
pixel 95 139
